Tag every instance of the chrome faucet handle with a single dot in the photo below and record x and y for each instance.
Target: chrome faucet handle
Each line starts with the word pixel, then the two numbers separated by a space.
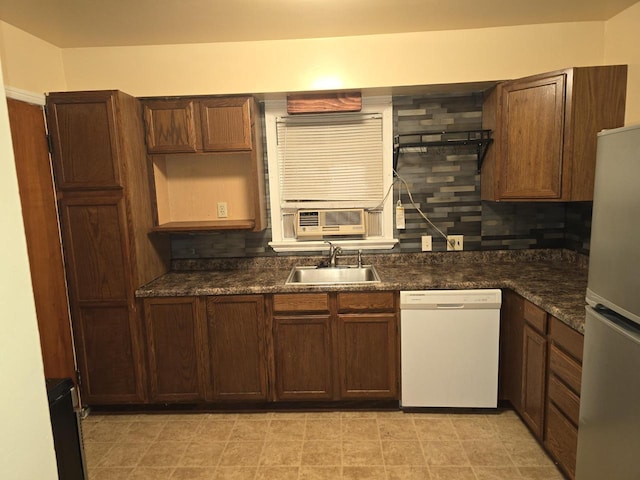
pixel 359 258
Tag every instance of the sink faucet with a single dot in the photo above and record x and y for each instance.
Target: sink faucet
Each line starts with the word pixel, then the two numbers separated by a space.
pixel 333 254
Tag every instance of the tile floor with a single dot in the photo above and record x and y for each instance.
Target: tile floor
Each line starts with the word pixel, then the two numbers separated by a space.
pixel 314 446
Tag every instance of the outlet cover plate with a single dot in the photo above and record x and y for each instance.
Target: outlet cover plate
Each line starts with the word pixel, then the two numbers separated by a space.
pixel 455 242
pixel 426 243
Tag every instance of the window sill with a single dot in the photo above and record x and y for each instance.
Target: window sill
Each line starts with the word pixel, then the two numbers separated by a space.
pixel 317 245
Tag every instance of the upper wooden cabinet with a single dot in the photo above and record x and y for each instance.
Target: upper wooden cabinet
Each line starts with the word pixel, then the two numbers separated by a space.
pixel 188 125
pixel 206 151
pixel 544 129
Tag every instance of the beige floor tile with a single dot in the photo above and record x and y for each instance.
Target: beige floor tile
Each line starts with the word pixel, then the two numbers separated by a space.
pixel 280 429
pixel 402 453
pixel 104 432
pixel 329 429
pixel 151 473
pixel 235 473
pixel 363 473
pixel 277 473
pixel 256 416
pixel 194 473
pixel 202 454
pixel 219 416
pixel 213 431
pixel 452 473
pixel 405 472
pixel 142 432
pixel 496 473
pixel 171 417
pixel 435 429
pixel 332 415
pixel 241 454
pixel 279 453
pixel 94 452
pixel 397 428
pixel 448 453
pixel 540 473
pixel 319 473
pixel 163 454
pixel 527 453
pixel 359 414
pixel 362 453
pixel 178 431
pixel 475 427
pixel 110 473
pixel 487 453
pixel 321 453
pixel 124 455
pixel 511 429
pixel 289 415
pixel 365 429
pixel 249 430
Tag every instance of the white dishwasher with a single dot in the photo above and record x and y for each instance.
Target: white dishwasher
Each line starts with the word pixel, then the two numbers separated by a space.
pixel 449 342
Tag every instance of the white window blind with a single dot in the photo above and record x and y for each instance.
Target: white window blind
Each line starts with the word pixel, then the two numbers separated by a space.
pixel 331 158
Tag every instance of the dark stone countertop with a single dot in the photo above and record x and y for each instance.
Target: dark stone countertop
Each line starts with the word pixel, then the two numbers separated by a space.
pixel 554 280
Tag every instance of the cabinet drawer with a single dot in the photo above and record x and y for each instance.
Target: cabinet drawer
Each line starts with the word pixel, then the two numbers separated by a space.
pixel 366 301
pixel 565 368
pixel 535 316
pixel 564 399
pixel 566 338
pixel 561 440
pixel 301 302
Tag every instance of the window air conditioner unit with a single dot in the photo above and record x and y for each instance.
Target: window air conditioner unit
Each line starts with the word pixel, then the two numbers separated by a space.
pixel 320 223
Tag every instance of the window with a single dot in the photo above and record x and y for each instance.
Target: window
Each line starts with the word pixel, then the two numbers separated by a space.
pixel 330 161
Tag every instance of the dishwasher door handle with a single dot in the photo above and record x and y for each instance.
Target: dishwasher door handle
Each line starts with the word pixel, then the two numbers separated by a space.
pixel 450 306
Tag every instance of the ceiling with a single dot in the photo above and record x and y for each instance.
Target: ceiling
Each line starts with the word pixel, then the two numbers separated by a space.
pixel 94 23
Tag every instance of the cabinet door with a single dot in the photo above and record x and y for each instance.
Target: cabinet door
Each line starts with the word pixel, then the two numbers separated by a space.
pixel 176 349
pixel 367 355
pixel 236 331
pixel 84 139
pixel 511 333
pixel 108 354
pixel 532 149
pixel 94 230
pixel 226 124
pixel 534 354
pixel 171 126
pixel 302 350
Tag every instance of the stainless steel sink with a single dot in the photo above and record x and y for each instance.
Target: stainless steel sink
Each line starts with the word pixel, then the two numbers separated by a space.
pixel 332 275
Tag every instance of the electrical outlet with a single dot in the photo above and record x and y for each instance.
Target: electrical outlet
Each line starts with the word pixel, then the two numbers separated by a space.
pixel 454 242
pixel 222 210
pixel 426 243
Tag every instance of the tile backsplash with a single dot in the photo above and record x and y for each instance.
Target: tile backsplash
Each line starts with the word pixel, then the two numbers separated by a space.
pixel 445 184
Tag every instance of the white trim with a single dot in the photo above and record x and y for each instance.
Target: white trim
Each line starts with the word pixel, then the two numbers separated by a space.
pixel 25 96
pixel 310 246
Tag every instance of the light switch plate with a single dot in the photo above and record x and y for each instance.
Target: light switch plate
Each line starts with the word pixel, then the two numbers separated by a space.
pixel 426 243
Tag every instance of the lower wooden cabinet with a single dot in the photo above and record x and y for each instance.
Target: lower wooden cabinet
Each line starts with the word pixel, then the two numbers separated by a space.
pixel 237 352
pixel 367 355
pixel 540 374
pixel 534 363
pixel 176 347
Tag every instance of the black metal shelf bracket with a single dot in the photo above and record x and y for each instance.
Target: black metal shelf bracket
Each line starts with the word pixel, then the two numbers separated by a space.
pixel 480 138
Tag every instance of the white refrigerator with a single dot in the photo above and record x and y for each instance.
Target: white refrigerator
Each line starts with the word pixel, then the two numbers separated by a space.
pixel 609 430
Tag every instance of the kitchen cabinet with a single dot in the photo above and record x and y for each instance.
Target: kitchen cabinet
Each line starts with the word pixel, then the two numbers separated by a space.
pixel 367 347
pixel 534 363
pixel 177 349
pixel 544 386
pixel 511 334
pixel 206 151
pixel 101 179
pixel 544 129
pixel 302 347
pixel 563 397
pixel 237 348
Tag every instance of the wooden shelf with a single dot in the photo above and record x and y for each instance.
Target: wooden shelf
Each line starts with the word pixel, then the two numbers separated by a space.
pixel 204 226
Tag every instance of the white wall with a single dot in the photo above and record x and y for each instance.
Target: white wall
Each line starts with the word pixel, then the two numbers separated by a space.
pixel 26 442
pixel 622 37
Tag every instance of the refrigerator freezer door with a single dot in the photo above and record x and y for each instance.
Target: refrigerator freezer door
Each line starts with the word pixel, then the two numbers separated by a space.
pixel 614 259
pixel 609 432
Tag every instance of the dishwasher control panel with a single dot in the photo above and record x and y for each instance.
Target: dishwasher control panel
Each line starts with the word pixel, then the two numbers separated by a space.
pixel 451 299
